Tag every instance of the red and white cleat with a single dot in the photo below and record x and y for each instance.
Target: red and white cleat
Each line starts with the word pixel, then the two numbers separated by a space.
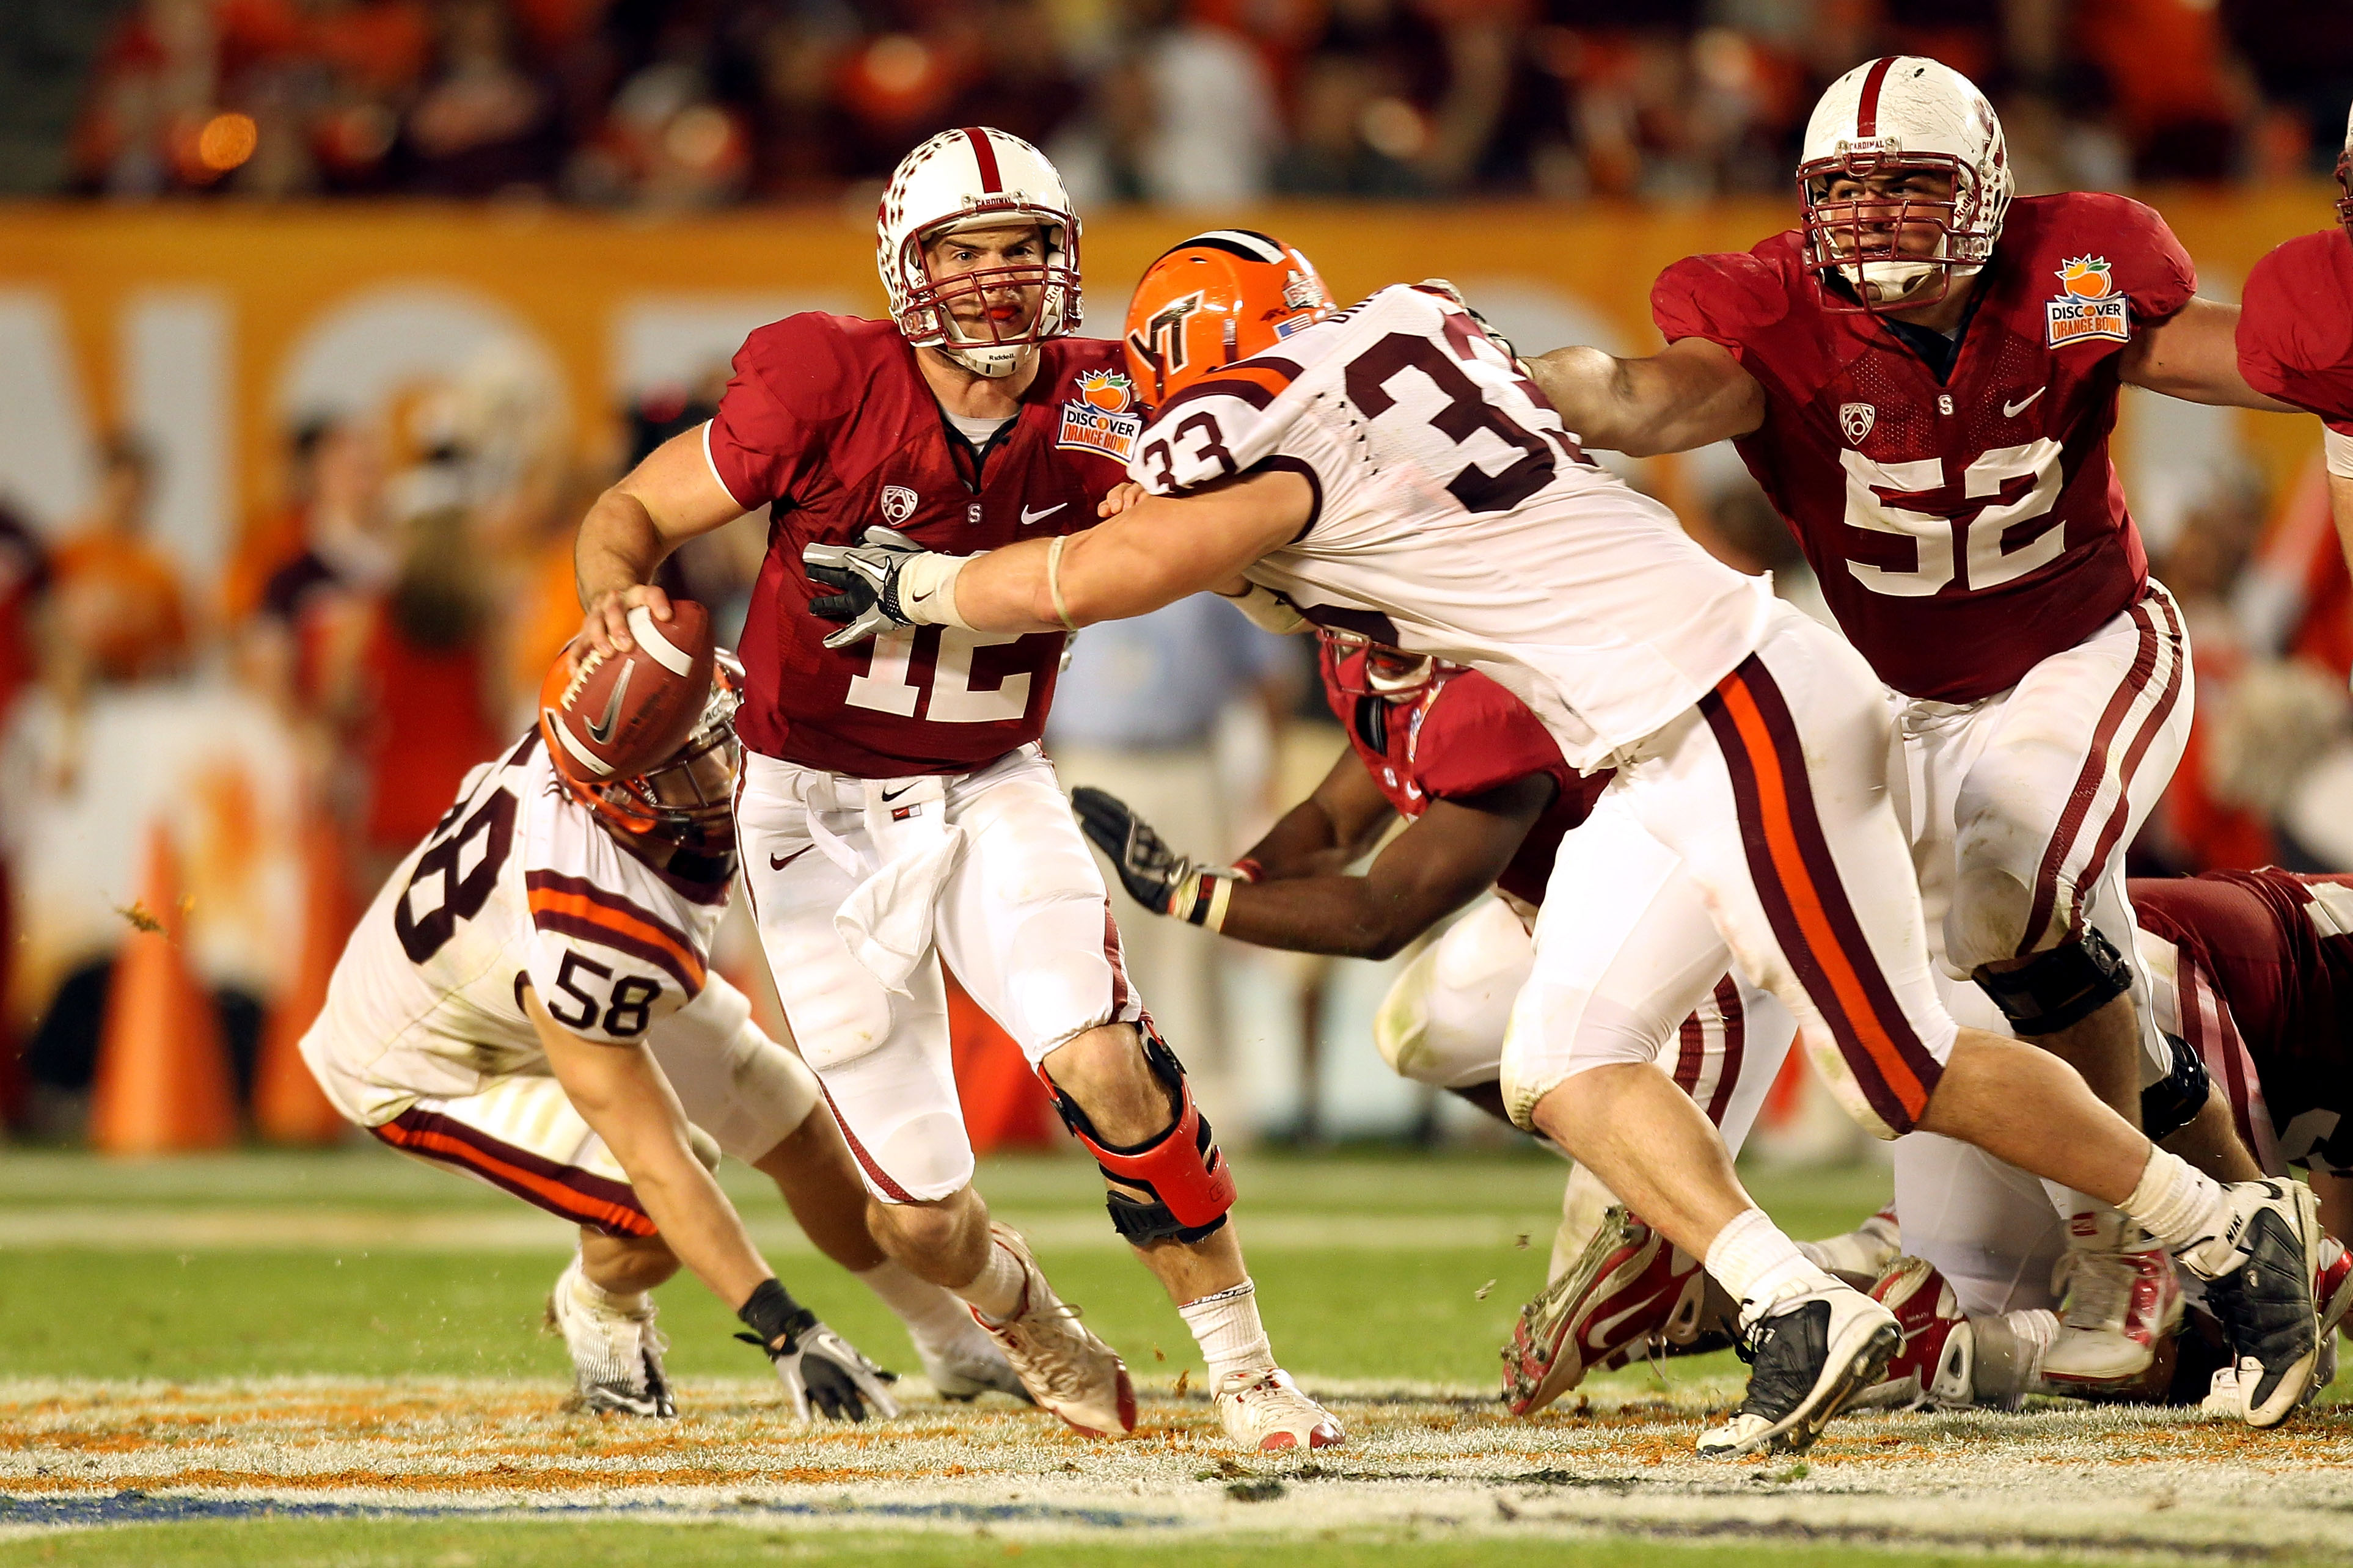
pixel 1629 1284
pixel 1868 1250
pixel 1935 1365
pixel 2332 1295
pixel 2120 1300
pixel 1066 1369
pixel 1264 1410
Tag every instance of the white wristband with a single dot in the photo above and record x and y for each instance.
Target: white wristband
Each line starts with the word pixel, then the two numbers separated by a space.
pixel 927 589
pixel 2338 448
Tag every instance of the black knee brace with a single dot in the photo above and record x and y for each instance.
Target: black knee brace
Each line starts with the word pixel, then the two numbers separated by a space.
pixel 2173 1102
pixel 1190 1184
pixel 2059 987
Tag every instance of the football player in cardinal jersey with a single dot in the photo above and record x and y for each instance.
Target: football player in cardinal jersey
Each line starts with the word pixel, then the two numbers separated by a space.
pixel 2295 335
pixel 1387 469
pixel 1922 377
pixel 529 1002
pixel 1488 798
pixel 895 808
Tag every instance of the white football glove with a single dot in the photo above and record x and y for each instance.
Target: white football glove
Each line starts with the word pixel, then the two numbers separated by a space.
pixel 865 582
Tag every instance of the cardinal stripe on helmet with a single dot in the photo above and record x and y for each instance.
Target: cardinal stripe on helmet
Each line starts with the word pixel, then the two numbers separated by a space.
pixel 1248 244
pixel 1866 121
pixel 984 152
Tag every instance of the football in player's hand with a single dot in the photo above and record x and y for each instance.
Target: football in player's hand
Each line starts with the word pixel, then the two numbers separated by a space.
pixel 616 715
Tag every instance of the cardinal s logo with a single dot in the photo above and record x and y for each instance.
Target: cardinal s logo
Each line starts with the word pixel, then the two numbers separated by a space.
pixel 1856 420
pixel 897 504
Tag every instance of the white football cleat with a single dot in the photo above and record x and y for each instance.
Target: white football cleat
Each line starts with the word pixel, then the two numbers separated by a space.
pixel 1867 1251
pixel 1264 1410
pixel 1628 1285
pixel 972 1366
pixel 1934 1367
pixel 1809 1352
pixel 2264 1295
pixel 616 1356
pixel 2119 1301
pixel 1066 1369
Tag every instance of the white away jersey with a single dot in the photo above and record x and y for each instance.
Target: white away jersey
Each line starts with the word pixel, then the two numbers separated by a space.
pixel 517 884
pixel 1454 516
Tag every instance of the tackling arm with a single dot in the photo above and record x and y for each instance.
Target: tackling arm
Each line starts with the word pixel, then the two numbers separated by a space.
pixel 1691 393
pixel 658 505
pixel 620 1090
pixel 2194 354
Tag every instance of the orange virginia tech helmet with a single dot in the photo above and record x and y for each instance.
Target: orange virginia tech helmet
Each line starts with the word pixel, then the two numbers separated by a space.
pixel 1216 298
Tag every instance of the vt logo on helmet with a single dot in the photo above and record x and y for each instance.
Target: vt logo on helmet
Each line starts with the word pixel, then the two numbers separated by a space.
pixel 1905 179
pixel 983 317
pixel 1214 298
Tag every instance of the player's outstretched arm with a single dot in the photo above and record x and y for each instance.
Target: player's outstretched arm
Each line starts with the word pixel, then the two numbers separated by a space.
pixel 655 507
pixel 1329 831
pixel 1691 393
pixel 2194 354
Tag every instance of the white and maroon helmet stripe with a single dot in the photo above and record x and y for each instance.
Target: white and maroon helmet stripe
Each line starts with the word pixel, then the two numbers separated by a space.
pixel 1866 119
pixel 984 154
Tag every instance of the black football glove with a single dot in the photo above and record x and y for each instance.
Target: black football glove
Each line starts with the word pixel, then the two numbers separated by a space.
pixel 865 582
pixel 1155 874
pixel 819 1369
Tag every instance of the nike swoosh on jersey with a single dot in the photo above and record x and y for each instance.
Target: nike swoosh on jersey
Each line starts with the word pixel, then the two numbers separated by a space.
pixel 601 730
pixel 1028 517
pixel 2012 410
pixel 776 865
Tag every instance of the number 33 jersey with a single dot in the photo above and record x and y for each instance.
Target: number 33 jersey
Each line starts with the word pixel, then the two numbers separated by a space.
pixel 829 424
pixel 1453 516
pixel 517 885
pixel 1964 529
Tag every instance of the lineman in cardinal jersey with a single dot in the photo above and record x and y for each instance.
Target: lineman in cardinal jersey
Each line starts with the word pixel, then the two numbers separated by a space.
pixel 896 811
pixel 529 1002
pixel 2295 336
pixel 1488 799
pixel 1386 469
pixel 1923 376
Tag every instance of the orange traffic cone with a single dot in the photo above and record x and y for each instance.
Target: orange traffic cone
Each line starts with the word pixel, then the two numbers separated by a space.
pixel 288 1104
pixel 163 1082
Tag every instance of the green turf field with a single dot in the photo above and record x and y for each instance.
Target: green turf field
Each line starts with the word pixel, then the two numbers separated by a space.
pixel 355 1340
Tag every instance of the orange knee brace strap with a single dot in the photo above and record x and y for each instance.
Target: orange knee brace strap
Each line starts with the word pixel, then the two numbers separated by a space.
pixel 1190 1185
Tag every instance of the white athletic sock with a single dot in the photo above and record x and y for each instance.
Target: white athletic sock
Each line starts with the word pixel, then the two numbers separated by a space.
pixel 610 1303
pixel 935 1320
pixel 997 1289
pixel 2184 1208
pixel 1751 1258
pixel 1227 1328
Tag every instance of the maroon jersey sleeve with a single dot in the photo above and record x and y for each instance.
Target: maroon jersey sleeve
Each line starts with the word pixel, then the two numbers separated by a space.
pixel 794 383
pixel 1724 299
pixel 1478 737
pixel 2149 266
pixel 2295 327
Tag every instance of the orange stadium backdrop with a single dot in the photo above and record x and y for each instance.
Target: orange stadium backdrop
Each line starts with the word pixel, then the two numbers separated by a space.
pixel 210 328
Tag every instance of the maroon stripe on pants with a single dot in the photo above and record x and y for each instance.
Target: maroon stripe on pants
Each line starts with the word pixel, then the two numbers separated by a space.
pixel 1690 1052
pixel 2223 1058
pixel 2105 845
pixel 881 1177
pixel 1804 825
pixel 568 1191
pixel 1116 955
pixel 2087 782
pixel 1736 1032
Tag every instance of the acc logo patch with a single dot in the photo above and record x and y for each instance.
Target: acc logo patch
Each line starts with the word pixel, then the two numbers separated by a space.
pixel 2088 305
pixel 897 504
pixel 1102 419
pixel 1855 419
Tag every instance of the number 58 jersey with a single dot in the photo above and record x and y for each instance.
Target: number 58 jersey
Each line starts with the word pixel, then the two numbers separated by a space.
pixel 1452 515
pixel 1964 528
pixel 517 885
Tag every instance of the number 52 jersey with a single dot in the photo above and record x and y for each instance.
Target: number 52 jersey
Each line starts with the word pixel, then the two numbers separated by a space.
pixel 517 885
pixel 1964 528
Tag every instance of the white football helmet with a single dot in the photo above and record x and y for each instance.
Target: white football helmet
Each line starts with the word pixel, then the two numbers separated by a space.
pixel 1897 112
pixel 975 177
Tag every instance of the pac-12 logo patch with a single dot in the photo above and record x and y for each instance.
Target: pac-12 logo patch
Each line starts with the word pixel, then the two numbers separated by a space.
pixel 2088 305
pixel 1101 419
pixel 1856 420
pixel 897 504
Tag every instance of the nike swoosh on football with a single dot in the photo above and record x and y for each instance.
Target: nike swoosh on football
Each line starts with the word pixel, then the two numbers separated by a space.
pixel 2012 410
pixel 601 730
pixel 1028 517
pixel 776 865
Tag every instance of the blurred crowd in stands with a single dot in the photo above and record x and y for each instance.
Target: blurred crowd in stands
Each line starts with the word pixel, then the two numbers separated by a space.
pixel 694 103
